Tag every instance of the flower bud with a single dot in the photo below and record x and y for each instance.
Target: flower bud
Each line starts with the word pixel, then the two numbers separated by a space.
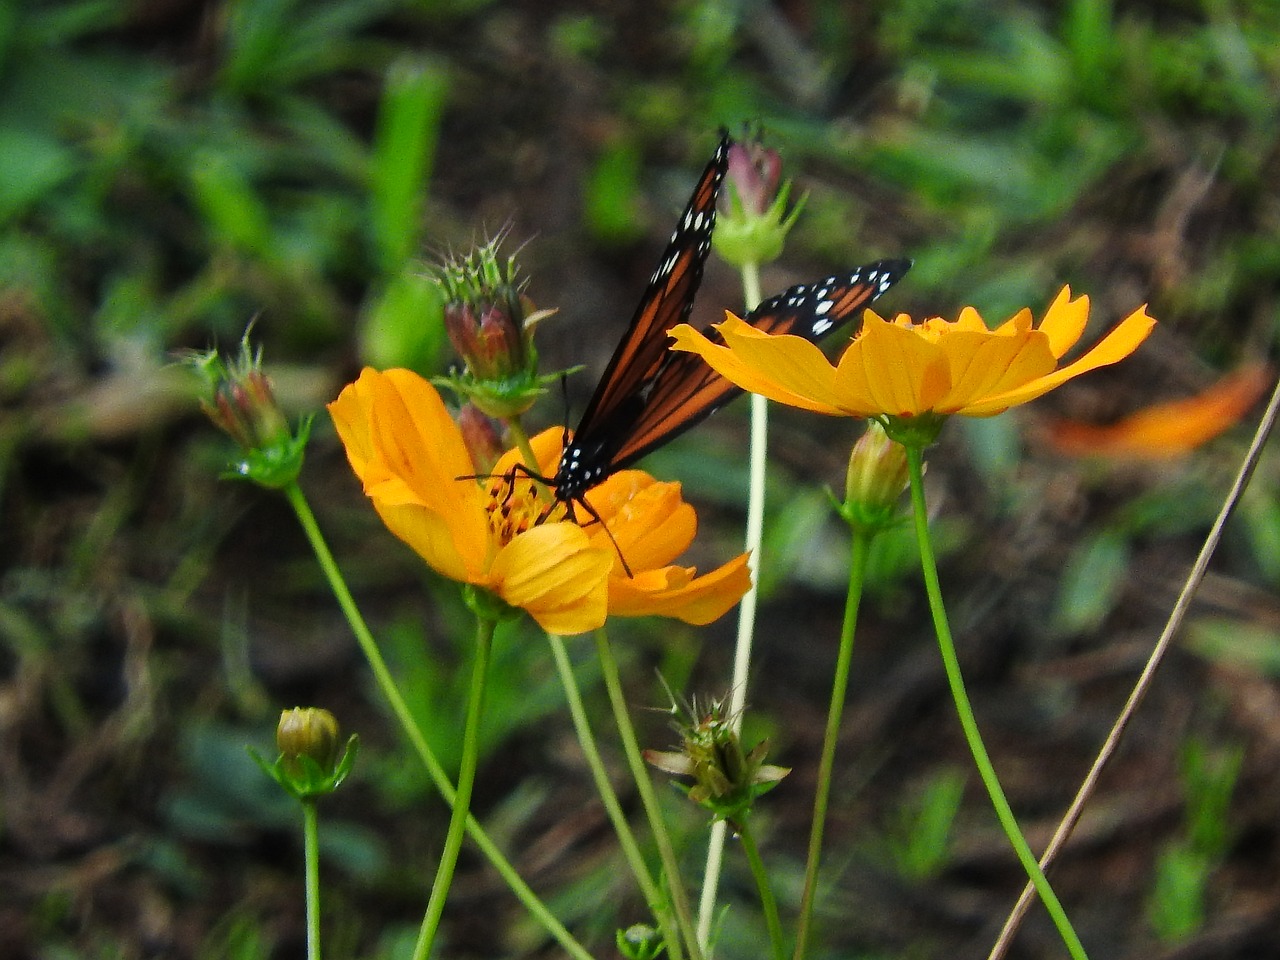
pixel 875 480
pixel 639 942
pixel 240 402
pixel 481 436
pixel 308 732
pixel 490 324
pixel 753 217
pixel 726 779
pixel 309 765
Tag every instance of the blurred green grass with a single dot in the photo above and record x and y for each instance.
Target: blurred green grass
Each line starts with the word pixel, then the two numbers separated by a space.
pixel 169 172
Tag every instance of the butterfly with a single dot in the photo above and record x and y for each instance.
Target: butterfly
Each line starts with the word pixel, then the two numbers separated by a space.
pixel 650 395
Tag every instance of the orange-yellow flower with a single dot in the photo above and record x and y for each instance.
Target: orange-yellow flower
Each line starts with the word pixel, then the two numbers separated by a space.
pixel 1166 430
pixel 507 535
pixel 901 368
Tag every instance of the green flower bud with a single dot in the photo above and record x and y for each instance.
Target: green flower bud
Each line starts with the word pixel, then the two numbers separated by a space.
pixel 240 402
pixel 309 765
pixel 727 779
pixel 875 481
pixel 639 942
pixel 308 732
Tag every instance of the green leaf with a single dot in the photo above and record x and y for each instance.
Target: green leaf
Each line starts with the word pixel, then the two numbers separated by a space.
pixel 404 146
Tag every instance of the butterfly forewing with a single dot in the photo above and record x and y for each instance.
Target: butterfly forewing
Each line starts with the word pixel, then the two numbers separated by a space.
pixel 666 301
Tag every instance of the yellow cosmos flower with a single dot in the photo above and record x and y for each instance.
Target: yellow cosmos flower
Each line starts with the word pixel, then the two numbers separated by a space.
pixel 901 368
pixel 507 535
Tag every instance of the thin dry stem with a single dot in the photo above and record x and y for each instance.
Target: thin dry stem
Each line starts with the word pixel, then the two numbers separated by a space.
pixel 1178 614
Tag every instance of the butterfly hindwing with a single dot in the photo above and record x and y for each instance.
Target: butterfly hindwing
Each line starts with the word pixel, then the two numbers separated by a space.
pixel 685 391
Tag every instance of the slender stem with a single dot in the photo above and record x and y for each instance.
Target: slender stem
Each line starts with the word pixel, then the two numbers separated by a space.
pixel 652 809
pixel 516 429
pixel 1171 627
pixel 767 900
pixel 859 549
pixel 946 645
pixel 462 800
pixel 609 797
pixel 311 856
pixel 746 614
pixel 382 676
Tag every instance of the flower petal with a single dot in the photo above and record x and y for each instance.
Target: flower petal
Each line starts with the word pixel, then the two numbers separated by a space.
pixel 788 369
pixel 892 370
pixel 1064 321
pixel 676 592
pixel 408 453
pixel 647 519
pixel 553 572
pixel 1114 347
pixel 983 364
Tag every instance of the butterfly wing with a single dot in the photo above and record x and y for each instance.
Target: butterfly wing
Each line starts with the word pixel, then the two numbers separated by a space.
pixel 667 301
pixel 685 391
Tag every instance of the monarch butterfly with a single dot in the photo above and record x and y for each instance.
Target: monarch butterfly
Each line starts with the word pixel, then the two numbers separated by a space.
pixel 650 395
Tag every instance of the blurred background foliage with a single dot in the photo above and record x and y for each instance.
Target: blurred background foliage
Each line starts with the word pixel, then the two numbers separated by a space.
pixel 170 170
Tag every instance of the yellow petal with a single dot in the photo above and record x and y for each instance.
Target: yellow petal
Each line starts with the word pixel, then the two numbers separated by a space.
pixel 1114 347
pixel 787 369
pixel 987 363
pixel 1064 321
pixel 408 453
pixel 648 520
pixel 553 572
pixel 675 592
pixel 892 370
pixel 429 535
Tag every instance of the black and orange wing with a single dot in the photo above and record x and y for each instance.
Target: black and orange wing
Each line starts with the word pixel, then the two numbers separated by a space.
pixel 685 391
pixel 667 301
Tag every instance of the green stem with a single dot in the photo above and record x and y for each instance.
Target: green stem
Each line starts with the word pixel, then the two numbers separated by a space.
pixel 929 566
pixel 462 800
pixel 311 856
pixel 652 809
pixel 382 676
pixel 521 439
pixel 746 614
pixel 859 549
pixel 626 837
pixel 767 900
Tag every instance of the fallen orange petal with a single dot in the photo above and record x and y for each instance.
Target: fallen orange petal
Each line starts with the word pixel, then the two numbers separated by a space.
pixel 1167 430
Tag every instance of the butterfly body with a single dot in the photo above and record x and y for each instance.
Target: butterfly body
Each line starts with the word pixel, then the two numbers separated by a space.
pixel 649 395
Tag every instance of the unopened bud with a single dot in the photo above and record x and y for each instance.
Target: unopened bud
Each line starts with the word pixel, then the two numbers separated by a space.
pixel 876 478
pixel 308 732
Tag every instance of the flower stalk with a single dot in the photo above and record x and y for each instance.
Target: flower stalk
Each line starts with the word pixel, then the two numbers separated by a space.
pixel 859 551
pixel 609 797
pixel 462 797
pixel 648 797
pixel 964 710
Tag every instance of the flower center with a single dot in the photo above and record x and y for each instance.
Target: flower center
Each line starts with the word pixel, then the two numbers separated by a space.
pixel 517 504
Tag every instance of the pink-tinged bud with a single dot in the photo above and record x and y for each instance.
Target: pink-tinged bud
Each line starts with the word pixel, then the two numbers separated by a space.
pixel 240 402
pixel 490 323
pixel 755 173
pixel 480 434
pixel 753 216
pixel 484 313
